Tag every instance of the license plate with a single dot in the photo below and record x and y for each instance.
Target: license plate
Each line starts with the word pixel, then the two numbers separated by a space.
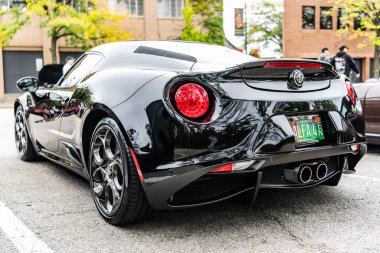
pixel 307 128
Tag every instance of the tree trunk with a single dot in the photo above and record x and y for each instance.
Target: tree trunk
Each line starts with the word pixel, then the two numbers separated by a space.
pixel 54 49
pixel 376 62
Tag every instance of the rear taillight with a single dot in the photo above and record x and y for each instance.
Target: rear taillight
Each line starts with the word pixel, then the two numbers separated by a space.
pixel 233 167
pixel 285 64
pixel 192 100
pixel 224 168
pixel 351 92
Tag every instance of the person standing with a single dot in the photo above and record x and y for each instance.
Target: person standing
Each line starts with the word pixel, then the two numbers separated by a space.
pixel 325 56
pixel 343 62
pixel 69 62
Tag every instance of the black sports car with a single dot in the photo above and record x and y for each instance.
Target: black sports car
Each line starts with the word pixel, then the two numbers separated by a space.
pixel 167 125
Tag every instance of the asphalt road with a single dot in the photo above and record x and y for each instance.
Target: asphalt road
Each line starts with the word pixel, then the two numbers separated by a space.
pixel 57 206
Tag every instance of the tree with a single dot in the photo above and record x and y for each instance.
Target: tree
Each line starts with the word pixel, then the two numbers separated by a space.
pixel 84 23
pixel 266 26
pixel 189 32
pixel 210 13
pixel 361 19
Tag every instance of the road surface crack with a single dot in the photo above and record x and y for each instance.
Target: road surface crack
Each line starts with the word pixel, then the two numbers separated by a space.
pixel 72 212
pixel 292 235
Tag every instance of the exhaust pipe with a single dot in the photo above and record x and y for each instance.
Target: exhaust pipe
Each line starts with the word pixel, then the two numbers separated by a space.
pixel 321 171
pixel 301 174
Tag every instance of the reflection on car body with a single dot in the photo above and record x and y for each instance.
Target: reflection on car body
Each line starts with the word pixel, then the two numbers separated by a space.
pixel 168 125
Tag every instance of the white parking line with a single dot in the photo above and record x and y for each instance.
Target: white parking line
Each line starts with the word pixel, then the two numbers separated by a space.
pixel 23 239
pixel 363 177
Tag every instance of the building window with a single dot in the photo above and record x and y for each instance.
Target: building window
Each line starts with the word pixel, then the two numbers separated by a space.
pixel 342 19
pixel 308 17
pixel 358 21
pixel 326 18
pixel 134 7
pixel 372 66
pixel 7 4
pixel 78 5
pixel 170 8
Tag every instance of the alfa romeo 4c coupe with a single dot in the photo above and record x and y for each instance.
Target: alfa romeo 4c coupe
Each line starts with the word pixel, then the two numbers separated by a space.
pixel 170 125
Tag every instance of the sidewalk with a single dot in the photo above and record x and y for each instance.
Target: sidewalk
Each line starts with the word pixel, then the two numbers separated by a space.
pixel 8 100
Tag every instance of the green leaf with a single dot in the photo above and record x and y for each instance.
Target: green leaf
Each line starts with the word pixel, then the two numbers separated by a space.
pixel 84 23
pixel 210 28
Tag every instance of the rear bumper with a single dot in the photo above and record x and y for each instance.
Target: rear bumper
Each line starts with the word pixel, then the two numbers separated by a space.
pixel 176 155
pixel 169 188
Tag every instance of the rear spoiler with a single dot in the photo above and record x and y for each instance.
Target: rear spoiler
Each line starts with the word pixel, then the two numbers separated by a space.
pixel 281 69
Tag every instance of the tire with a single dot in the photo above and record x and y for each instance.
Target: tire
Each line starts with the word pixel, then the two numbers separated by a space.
pixel 24 145
pixel 115 184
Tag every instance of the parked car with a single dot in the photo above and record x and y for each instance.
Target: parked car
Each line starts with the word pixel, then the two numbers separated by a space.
pixel 170 125
pixel 369 95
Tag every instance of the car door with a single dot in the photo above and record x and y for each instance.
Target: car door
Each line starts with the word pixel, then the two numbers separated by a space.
pixel 47 104
pixel 50 103
pixel 71 83
pixel 372 109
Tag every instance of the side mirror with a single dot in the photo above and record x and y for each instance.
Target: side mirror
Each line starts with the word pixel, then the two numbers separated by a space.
pixel 28 84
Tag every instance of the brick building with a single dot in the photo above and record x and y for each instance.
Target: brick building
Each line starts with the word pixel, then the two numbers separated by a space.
pixel 308 27
pixel 30 48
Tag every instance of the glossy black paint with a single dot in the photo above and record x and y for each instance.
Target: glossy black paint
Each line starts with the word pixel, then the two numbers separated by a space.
pixel 247 122
pixel 369 95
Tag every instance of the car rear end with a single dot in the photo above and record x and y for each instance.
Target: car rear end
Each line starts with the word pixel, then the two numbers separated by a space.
pixel 261 124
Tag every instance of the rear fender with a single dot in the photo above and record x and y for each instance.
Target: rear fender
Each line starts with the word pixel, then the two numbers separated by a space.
pixel 114 86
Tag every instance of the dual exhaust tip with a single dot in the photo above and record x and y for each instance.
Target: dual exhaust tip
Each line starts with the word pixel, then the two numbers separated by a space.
pixel 306 172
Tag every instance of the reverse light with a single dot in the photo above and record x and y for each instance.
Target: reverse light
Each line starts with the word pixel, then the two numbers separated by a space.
pixel 242 165
pixel 285 64
pixel 192 100
pixel 233 167
pixel 355 147
pixel 351 92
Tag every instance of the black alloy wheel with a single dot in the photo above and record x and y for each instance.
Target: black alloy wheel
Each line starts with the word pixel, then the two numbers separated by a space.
pixel 24 145
pixel 115 184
